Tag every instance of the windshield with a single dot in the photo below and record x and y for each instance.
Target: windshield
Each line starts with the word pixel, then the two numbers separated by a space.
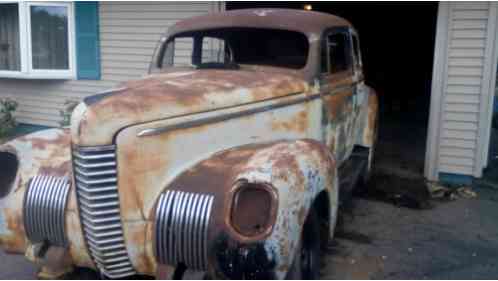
pixel 231 47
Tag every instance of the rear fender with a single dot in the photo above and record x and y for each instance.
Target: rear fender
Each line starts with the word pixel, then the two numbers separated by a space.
pixel 368 119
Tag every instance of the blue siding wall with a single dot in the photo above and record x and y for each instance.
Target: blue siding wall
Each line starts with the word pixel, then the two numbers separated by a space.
pixel 87 40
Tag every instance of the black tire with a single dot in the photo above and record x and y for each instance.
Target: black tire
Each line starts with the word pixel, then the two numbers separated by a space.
pixel 306 265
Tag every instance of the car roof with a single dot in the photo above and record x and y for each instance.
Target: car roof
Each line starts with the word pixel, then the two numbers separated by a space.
pixel 307 22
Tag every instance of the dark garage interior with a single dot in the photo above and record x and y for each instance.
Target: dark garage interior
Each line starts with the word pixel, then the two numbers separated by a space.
pixel 397 43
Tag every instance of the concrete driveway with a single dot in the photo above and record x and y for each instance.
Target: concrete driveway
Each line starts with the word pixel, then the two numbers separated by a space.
pixel 15 267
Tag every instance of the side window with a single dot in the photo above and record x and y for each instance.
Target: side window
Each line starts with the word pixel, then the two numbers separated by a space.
pixel 339 52
pixel 356 52
pixel 213 50
pixel 178 52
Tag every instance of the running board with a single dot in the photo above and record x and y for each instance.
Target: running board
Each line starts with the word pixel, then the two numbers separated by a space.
pixel 350 173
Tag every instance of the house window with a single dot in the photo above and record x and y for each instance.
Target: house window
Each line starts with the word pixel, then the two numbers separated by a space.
pixel 10 50
pixel 36 40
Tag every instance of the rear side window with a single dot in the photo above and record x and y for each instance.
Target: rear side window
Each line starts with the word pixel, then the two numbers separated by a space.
pixel 339 53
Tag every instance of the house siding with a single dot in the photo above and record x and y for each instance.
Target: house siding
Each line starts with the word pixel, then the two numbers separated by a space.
pixel 461 79
pixel 129 32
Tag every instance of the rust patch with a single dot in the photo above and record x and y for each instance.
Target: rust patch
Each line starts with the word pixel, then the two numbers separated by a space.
pixel 61 170
pixel 373 107
pixel 40 152
pixel 308 22
pixel 336 104
pixel 298 123
pixel 15 243
pixel 183 93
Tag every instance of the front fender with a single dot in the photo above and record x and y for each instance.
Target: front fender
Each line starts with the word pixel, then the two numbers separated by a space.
pixel 46 152
pixel 298 171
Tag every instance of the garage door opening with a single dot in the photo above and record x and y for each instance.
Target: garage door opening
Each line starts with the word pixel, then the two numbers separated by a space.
pixel 397 44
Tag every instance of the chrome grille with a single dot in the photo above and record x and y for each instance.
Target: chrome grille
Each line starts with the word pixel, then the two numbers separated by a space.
pixel 181 226
pixel 95 172
pixel 44 209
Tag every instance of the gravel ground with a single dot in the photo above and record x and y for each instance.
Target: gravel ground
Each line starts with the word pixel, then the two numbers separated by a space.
pixel 452 240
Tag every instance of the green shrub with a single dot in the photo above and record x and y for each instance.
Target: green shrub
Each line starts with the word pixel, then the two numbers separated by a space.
pixel 7 119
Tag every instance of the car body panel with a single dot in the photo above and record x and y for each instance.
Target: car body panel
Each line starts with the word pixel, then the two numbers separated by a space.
pixel 45 152
pixel 184 92
pixel 203 131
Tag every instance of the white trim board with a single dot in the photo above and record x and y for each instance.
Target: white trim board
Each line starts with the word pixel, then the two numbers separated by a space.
pixel 27 71
pixel 439 72
pixel 454 85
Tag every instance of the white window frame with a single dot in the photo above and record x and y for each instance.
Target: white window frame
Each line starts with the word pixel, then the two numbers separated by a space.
pixel 27 71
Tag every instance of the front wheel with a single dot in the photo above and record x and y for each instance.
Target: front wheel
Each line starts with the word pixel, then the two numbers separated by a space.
pixel 306 265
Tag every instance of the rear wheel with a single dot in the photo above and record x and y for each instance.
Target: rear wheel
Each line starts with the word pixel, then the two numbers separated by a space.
pixel 306 265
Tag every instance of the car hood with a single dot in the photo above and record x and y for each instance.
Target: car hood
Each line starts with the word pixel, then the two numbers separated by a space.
pixel 167 95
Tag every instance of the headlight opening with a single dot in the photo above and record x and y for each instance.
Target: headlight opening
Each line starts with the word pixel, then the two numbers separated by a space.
pixel 9 165
pixel 253 209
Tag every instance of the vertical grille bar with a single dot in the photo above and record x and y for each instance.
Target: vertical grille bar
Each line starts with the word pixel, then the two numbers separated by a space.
pixel 44 208
pixel 95 172
pixel 181 228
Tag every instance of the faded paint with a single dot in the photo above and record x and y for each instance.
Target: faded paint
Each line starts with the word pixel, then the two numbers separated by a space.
pixel 308 22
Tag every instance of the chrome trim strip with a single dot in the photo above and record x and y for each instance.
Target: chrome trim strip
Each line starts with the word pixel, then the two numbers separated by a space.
pixel 227 116
pixel 181 228
pixel 44 209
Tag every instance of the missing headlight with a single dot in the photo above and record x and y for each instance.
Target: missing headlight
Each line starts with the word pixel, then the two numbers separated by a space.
pixel 8 171
pixel 253 209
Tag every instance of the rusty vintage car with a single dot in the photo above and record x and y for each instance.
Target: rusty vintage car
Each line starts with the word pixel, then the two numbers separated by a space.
pixel 227 159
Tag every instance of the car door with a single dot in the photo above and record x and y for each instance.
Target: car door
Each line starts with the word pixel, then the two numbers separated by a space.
pixel 360 91
pixel 337 90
